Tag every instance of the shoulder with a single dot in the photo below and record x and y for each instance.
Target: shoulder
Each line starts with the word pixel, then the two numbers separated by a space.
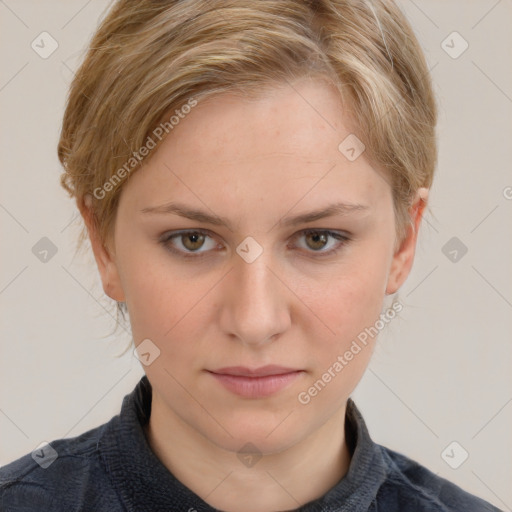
pixel 411 486
pixel 58 476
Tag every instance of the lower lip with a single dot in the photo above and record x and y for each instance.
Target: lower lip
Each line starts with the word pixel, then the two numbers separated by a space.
pixel 256 387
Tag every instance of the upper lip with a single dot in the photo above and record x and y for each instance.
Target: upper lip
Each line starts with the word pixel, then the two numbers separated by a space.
pixel 263 371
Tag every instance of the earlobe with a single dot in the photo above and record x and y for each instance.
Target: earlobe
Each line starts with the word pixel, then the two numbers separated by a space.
pixel 107 266
pixel 404 256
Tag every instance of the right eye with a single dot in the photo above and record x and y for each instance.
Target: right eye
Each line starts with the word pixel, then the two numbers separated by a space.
pixel 190 241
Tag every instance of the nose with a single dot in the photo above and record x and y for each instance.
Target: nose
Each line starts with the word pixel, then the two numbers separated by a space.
pixel 255 304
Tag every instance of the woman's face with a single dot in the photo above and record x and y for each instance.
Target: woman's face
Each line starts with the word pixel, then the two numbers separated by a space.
pixel 255 289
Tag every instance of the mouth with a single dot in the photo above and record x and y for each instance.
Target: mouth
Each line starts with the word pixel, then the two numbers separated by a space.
pixel 263 371
pixel 255 383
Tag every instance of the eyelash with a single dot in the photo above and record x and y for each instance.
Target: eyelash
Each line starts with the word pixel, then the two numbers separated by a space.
pixel 167 237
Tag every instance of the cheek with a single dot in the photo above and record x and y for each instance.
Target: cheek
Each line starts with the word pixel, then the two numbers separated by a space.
pixel 350 300
pixel 160 299
pixel 349 303
pixel 350 307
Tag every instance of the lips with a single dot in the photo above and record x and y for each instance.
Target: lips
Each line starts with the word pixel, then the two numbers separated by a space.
pixel 256 382
pixel 263 371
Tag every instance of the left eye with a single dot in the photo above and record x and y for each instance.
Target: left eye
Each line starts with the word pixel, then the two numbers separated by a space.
pixel 319 240
pixel 192 241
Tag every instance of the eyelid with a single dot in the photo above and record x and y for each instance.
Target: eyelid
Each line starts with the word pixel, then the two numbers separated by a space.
pixel 342 237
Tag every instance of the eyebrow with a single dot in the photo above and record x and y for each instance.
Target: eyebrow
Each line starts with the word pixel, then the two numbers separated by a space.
pixel 202 216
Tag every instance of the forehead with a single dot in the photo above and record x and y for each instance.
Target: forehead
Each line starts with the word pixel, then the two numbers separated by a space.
pixel 274 149
pixel 302 119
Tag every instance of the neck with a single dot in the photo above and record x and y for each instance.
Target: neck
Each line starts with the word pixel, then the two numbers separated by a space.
pixel 290 478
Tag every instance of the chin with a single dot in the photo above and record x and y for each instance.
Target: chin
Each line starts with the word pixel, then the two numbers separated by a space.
pixel 267 436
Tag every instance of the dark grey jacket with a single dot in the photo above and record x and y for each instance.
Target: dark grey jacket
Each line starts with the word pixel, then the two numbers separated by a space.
pixel 112 468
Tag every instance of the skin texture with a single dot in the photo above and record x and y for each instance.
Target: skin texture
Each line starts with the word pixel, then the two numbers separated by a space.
pixel 255 162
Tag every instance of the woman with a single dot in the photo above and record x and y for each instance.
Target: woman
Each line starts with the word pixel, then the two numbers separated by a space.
pixel 252 177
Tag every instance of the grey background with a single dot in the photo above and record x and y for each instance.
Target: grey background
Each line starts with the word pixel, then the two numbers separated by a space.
pixel 440 373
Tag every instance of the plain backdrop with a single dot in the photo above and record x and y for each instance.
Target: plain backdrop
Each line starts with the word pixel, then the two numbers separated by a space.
pixel 440 373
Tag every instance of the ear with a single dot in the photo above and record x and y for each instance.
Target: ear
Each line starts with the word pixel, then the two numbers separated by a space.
pixel 104 257
pixel 404 256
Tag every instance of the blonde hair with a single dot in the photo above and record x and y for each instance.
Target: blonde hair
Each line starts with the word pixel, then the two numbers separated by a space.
pixel 150 59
